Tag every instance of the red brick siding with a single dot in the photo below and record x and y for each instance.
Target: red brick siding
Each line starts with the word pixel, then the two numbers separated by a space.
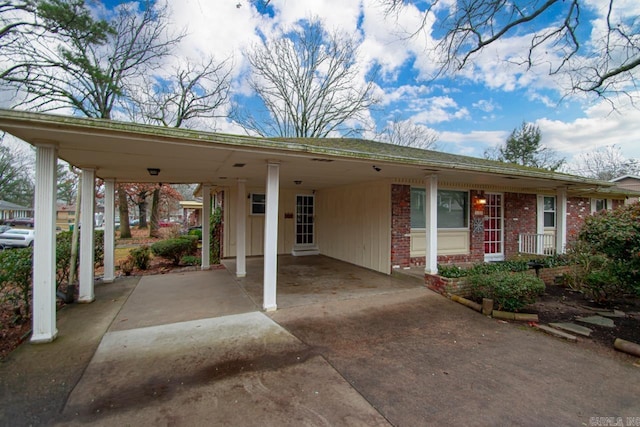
pixel 401 225
pixel 578 208
pixel 520 216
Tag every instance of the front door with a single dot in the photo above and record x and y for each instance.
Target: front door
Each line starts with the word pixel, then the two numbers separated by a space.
pixel 304 221
pixel 493 234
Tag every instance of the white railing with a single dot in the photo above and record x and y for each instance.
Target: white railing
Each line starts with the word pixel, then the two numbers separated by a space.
pixel 538 244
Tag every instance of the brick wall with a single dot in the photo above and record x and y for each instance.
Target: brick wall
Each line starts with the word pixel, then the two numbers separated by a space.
pixel 520 216
pixel 401 225
pixel 578 208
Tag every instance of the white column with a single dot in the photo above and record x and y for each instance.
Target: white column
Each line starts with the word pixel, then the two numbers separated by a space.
pixel 271 237
pixel 206 226
pixel 44 249
pixel 87 260
pixel 109 231
pixel 561 220
pixel 241 232
pixel 431 211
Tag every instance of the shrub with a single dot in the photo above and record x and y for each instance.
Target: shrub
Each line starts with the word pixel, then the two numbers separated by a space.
pixel 616 235
pixel 190 260
pixel 175 249
pixel 195 232
pixel 126 265
pixel 63 254
pixel 141 257
pixel 510 291
pixel 16 269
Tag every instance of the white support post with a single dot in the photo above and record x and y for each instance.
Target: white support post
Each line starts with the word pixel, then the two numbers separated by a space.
pixel 431 211
pixel 271 237
pixel 241 232
pixel 86 277
pixel 561 219
pixel 109 231
pixel 206 227
pixel 44 250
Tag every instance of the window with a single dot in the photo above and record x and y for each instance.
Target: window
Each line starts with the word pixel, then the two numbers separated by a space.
pixel 549 211
pixel 258 204
pixel 599 205
pixel 453 210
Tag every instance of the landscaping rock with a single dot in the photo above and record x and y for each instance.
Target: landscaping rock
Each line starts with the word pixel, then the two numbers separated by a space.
pixel 573 328
pixel 597 320
pixel 557 333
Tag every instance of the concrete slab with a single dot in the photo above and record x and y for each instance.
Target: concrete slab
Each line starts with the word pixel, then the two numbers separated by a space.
pixel 614 313
pixel 320 279
pixel 180 297
pixel 597 320
pixel 573 328
pixel 236 370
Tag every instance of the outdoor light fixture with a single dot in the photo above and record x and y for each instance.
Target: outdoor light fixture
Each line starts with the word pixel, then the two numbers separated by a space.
pixel 153 171
pixel 297 182
pixel 376 168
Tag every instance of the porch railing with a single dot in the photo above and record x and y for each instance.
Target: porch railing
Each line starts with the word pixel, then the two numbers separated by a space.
pixel 536 244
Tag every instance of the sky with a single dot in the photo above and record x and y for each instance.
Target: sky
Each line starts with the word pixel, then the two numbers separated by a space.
pixel 470 111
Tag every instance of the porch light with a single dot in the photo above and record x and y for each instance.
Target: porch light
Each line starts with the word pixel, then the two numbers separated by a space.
pixel 153 171
pixel 297 182
pixel 479 201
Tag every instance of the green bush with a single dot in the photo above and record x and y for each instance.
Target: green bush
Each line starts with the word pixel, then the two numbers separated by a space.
pixel 16 270
pixel 196 232
pixel 510 291
pixel 141 257
pixel 453 271
pixel 615 235
pixel 63 254
pixel 175 249
pixel 190 260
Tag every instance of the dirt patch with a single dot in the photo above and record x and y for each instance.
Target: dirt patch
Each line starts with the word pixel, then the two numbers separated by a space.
pixel 561 304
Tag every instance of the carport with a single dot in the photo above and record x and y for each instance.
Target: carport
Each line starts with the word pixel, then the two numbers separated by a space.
pixel 125 152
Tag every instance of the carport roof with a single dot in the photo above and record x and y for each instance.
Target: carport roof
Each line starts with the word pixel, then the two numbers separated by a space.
pixel 124 151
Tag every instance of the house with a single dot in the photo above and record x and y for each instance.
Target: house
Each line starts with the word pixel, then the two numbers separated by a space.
pixel 10 210
pixel 376 205
pixel 628 182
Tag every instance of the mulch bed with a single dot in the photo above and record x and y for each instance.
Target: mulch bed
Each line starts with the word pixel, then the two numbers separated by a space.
pixel 561 304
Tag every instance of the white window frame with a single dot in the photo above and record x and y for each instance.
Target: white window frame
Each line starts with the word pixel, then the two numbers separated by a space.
pixel 254 204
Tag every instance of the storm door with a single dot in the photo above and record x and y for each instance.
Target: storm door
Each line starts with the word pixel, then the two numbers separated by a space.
pixel 493 232
pixel 304 221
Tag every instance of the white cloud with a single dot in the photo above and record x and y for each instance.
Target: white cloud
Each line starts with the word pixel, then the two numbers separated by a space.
pixel 472 143
pixel 600 127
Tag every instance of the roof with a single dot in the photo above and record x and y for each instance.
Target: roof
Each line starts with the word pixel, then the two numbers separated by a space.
pixel 124 151
pixel 8 206
pixel 620 178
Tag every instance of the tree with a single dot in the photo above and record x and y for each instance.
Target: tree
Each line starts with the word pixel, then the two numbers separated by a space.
pixel 406 133
pixel 307 83
pixel 595 45
pixel 604 163
pixel 23 21
pixel 16 185
pixel 90 74
pixel 193 91
pixel 67 183
pixel 523 148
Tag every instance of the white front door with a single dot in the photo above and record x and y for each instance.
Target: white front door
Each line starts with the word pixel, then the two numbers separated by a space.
pixel 493 233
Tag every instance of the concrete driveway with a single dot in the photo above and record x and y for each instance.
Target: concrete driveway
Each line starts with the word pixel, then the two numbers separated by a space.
pixel 390 354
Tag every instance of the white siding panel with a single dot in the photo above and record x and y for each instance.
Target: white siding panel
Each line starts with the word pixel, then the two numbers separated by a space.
pixel 354 224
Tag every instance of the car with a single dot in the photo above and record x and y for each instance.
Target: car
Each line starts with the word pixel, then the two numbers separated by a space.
pixel 16 238
pixel 4 228
pixel 25 222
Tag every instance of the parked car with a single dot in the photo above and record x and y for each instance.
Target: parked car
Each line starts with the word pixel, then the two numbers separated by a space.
pixel 16 238
pixel 25 222
pixel 4 228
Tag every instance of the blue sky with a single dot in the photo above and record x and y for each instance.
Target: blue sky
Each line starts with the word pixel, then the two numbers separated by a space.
pixel 470 111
